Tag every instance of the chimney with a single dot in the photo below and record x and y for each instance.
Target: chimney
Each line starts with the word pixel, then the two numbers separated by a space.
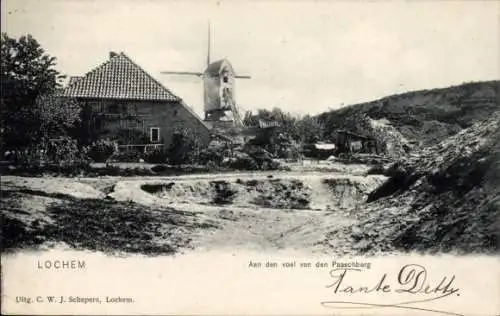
pixel 112 54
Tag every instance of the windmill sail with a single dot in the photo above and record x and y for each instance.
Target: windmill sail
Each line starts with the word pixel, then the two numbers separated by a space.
pixel 208 50
pixel 192 73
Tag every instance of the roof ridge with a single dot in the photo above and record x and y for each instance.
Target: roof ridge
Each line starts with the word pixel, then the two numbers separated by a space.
pixel 93 70
pixel 148 75
pixel 77 78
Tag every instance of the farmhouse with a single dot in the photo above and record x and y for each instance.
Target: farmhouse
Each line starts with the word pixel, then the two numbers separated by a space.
pixel 123 102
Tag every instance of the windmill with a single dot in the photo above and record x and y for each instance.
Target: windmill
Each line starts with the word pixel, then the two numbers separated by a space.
pixel 218 90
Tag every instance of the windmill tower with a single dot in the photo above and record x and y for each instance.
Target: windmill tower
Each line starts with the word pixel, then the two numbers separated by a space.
pixel 219 77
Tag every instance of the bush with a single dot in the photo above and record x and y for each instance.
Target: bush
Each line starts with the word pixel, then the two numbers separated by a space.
pixel 64 152
pixel 35 155
pixel 270 165
pixel 291 152
pixel 257 152
pixel 61 155
pixel 262 157
pixel 126 156
pixel 155 156
pixel 224 194
pixel 242 161
pixel 101 150
pixel 185 148
pixel 212 156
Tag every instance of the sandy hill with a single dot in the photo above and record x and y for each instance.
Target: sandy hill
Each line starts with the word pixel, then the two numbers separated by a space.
pixel 423 117
pixel 444 194
pixel 444 198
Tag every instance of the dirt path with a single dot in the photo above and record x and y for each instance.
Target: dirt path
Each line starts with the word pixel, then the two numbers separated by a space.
pixel 267 229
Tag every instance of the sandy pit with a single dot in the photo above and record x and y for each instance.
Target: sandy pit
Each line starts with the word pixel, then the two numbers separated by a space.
pixel 253 211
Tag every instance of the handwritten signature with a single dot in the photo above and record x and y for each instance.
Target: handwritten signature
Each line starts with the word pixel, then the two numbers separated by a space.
pixel 411 279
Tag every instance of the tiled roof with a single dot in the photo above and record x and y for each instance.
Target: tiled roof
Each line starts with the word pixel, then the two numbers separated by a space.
pixel 73 79
pixel 341 131
pixel 118 78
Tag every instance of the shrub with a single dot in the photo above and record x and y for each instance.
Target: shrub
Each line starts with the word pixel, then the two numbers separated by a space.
pixel 126 156
pixel 34 155
pixel 212 156
pixel 242 161
pixel 261 156
pixel 61 155
pixel 185 147
pixel 155 156
pixel 215 153
pixel 64 151
pixel 290 152
pixel 101 150
pixel 224 194
pixel 272 165
pixel 212 166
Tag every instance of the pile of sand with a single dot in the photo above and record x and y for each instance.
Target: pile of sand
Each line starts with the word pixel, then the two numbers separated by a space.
pixel 307 192
pixel 452 202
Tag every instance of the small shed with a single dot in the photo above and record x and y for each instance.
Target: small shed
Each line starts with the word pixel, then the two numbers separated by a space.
pixel 320 150
pixel 350 142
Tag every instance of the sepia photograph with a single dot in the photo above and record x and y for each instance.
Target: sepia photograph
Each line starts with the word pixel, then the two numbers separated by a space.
pixel 250 158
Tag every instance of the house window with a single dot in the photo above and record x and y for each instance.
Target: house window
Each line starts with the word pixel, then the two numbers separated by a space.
pixel 154 134
pixel 225 79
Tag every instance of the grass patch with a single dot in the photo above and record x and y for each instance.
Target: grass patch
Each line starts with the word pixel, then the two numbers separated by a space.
pixel 105 225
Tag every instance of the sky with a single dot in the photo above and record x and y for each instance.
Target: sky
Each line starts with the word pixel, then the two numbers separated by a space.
pixel 305 57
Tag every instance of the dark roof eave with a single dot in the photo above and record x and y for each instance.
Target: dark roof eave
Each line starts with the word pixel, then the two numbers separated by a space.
pixel 122 99
pixel 354 134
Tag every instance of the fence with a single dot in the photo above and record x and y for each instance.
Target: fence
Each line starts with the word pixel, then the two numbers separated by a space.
pixel 141 147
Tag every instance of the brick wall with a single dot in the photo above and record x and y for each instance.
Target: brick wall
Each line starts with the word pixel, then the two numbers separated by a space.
pixel 111 116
